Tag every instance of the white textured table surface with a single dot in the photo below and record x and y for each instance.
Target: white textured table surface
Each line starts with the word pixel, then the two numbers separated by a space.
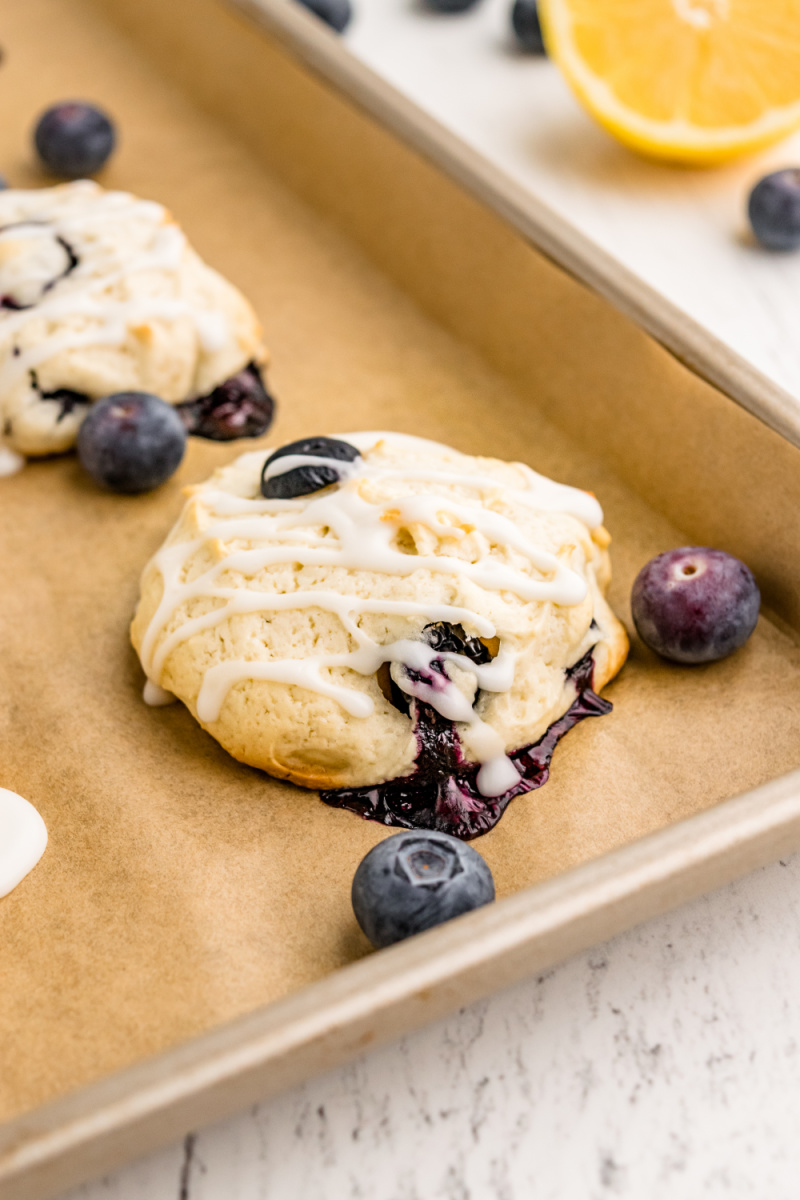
pixel 665 1063
pixel 684 231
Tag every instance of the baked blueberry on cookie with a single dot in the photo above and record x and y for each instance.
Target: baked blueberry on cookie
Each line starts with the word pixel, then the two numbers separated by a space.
pixel 101 293
pixel 408 628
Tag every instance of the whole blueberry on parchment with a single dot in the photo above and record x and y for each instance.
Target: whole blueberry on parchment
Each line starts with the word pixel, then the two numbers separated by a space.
pixel 131 442
pixel 695 605
pixel 74 139
pixel 413 881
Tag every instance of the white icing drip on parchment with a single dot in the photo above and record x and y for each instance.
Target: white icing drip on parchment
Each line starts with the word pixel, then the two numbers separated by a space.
pixel 23 838
pixel 361 536
pixel 155 696
pixel 10 461
pixel 88 290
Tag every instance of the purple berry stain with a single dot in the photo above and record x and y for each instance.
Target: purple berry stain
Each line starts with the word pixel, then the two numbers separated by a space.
pixel 695 605
pixel 237 408
pixel 442 793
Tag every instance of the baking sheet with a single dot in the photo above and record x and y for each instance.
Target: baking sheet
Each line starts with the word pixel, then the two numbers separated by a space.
pixel 181 889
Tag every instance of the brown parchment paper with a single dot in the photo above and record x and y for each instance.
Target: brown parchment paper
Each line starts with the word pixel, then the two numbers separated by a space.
pixel 181 889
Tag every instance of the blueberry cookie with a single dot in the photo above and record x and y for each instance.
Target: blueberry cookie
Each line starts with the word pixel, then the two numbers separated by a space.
pixel 406 627
pixel 100 292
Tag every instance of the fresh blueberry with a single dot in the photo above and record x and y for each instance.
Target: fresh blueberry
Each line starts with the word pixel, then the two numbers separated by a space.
pixel 74 139
pixel 449 6
pixel 774 210
pixel 131 441
pixel 4 184
pixel 303 480
pixel 413 881
pixel 336 13
pixel 527 26
pixel 240 407
pixel 695 605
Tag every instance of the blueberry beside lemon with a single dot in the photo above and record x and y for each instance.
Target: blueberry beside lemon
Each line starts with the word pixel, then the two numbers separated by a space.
pixel 774 210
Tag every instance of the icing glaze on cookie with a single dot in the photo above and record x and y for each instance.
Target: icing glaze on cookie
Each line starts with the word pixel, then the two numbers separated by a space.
pixel 72 229
pixel 351 530
pixel 100 292
pixel 23 838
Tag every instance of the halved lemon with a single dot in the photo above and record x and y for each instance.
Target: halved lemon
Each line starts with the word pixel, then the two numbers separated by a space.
pixel 694 81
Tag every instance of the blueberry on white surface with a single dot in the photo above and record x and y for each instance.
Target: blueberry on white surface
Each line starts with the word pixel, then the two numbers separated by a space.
pixel 302 480
pixel 527 26
pixel 695 605
pixel 449 6
pixel 131 442
pixel 774 210
pixel 74 139
pixel 413 881
pixel 336 13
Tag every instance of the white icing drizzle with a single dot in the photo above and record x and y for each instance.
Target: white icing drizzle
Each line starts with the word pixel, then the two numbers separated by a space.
pixel 31 257
pixel 290 462
pixel 498 773
pixel 23 838
pixel 361 537
pixel 76 214
pixel 541 493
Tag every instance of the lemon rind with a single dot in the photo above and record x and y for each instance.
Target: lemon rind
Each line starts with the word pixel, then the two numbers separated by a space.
pixel 677 140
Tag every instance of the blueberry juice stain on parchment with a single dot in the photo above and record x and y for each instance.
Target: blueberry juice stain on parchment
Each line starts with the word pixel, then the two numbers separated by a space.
pixel 442 793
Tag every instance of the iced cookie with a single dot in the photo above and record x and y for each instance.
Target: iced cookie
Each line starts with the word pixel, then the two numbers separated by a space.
pixel 100 292
pixel 403 626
